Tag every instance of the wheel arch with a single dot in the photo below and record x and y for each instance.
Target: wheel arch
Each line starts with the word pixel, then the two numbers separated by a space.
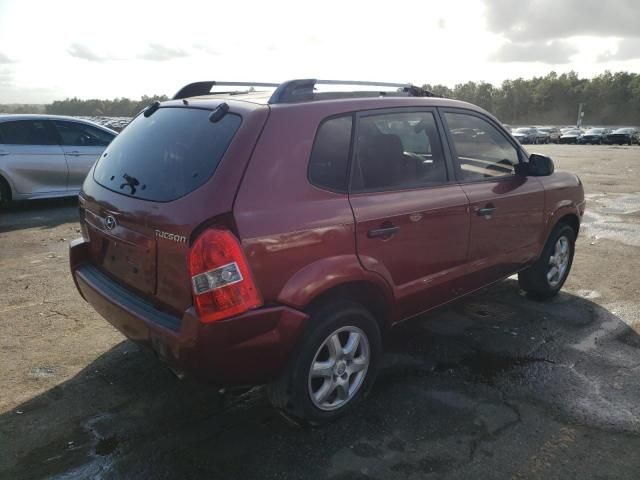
pixel 5 182
pixel 366 293
pixel 338 278
pixel 570 219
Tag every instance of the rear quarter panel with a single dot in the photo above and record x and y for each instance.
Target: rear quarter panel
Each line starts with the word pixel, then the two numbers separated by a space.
pixel 299 239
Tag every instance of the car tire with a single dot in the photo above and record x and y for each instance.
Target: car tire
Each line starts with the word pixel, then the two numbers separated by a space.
pixel 5 193
pixel 292 393
pixel 539 280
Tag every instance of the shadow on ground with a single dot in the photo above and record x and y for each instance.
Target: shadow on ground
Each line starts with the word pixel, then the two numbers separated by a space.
pixel 495 386
pixel 47 213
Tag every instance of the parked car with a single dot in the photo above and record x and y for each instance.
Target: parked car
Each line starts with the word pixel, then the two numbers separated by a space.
pixel 530 135
pixel 594 136
pixel 253 238
pixel 553 134
pixel 44 156
pixel 571 136
pixel 624 136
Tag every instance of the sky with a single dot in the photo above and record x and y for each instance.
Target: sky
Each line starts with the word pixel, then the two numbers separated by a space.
pixel 55 49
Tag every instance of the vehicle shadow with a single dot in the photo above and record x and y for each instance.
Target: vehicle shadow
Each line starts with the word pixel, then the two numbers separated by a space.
pixel 480 386
pixel 46 213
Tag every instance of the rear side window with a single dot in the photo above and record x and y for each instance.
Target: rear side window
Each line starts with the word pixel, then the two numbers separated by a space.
pixel 167 155
pixel 27 132
pixel 398 151
pixel 330 155
pixel 79 134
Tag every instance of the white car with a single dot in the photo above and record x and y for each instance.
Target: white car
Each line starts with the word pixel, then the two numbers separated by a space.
pixel 44 156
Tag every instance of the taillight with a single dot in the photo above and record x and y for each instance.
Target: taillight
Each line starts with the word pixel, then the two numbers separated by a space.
pixel 220 277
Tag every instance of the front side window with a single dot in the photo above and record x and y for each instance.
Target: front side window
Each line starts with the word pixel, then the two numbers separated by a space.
pixel 26 132
pixel 81 135
pixel 330 155
pixel 398 151
pixel 482 151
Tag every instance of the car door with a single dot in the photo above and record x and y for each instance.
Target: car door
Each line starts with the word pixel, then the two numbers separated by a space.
pixel 507 210
pixel 31 159
pixel 412 220
pixel 82 145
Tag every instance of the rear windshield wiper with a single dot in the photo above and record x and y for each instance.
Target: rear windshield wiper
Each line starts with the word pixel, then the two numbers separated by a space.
pixel 131 182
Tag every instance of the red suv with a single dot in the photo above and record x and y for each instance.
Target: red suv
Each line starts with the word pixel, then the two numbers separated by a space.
pixel 256 236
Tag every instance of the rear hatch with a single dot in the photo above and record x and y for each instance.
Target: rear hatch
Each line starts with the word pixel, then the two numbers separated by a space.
pixel 159 180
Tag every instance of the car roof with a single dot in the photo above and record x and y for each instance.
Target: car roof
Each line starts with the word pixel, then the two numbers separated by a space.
pixel 259 100
pixel 4 117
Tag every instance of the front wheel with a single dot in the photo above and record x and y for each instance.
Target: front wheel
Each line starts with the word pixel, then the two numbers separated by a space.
pixel 545 278
pixel 333 368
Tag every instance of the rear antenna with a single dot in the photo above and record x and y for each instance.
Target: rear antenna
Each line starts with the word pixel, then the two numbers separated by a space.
pixel 220 111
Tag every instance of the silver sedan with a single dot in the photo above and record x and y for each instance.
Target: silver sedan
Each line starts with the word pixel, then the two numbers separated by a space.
pixel 44 156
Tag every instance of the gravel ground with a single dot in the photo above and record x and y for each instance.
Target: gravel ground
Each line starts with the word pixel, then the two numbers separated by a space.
pixel 494 386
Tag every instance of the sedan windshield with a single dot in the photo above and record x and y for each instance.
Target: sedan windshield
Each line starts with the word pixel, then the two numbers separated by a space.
pixel 624 130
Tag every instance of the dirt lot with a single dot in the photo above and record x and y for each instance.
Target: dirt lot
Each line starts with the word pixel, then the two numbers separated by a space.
pixel 495 386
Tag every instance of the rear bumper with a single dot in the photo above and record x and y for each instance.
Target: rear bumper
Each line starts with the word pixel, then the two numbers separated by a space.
pixel 252 348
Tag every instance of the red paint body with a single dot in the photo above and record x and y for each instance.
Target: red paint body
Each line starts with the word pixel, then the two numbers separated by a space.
pixel 303 243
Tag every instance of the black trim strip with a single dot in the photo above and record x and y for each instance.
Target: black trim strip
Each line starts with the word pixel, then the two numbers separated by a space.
pixel 109 288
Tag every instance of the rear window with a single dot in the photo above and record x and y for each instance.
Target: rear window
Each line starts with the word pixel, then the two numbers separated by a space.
pixel 167 155
pixel 26 132
pixel 330 154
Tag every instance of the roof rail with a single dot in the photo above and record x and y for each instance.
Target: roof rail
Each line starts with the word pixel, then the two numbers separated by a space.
pixel 303 90
pixel 204 88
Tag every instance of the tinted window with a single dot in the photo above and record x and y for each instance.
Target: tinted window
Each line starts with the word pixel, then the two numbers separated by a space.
pixel 26 132
pixel 330 154
pixel 481 149
pixel 398 151
pixel 170 153
pixel 79 134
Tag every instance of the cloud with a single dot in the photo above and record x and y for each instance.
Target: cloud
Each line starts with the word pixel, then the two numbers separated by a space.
pixel 4 59
pixel 83 52
pixel 159 53
pixel 6 77
pixel 554 52
pixel 525 21
pixel 628 49
pixel 206 49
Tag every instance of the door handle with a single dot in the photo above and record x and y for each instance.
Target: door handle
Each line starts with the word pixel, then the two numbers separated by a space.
pixel 383 232
pixel 74 153
pixel 486 211
pixel 3 153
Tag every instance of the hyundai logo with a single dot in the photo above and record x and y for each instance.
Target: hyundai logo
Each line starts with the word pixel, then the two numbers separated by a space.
pixel 110 222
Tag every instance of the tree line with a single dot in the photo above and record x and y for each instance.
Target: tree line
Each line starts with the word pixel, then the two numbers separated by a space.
pixel 118 107
pixel 609 98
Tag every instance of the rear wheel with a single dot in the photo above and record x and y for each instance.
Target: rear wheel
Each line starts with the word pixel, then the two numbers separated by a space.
pixel 5 193
pixel 333 368
pixel 546 277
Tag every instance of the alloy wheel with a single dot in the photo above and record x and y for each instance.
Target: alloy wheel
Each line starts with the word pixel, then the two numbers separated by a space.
pixel 558 261
pixel 339 368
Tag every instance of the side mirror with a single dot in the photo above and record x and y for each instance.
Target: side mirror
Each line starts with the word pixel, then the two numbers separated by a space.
pixel 537 166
